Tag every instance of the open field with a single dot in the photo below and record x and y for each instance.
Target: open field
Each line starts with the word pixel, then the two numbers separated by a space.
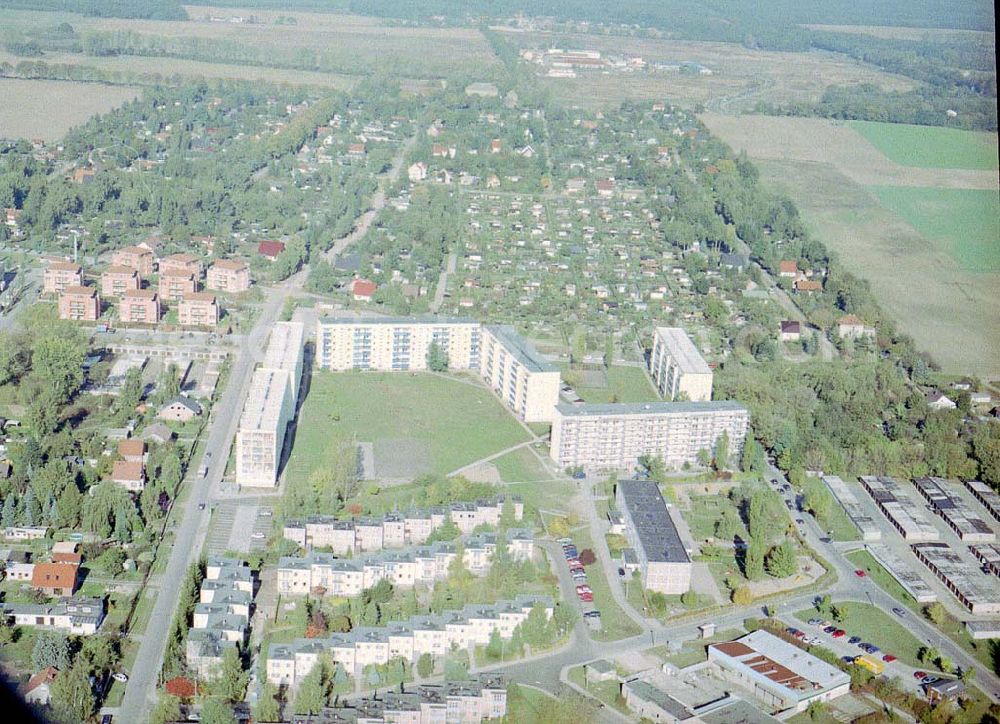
pixel 899 33
pixel 418 423
pixel 752 75
pixel 931 146
pixel 619 384
pixel 918 265
pixel 48 108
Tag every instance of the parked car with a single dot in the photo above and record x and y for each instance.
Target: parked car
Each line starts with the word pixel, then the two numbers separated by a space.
pixel 564 541
pixel 829 629
pixel 930 679
pixel 791 630
pixel 119 676
pixel 899 612
pixel 573 562
pixel 854 640
pixel 839 633
pixel 888 658
pixel 919 675
pixel 859 573
pixel 813 621
pixel 847 659
pixel 824 624
pixel 592 614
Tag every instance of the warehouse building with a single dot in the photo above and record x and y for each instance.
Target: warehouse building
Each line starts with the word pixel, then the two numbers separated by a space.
pixel 903 512
pixel 977 591
pixel 678 370
pixel 865 524
pixel 615 436
pixel 959 516
pixel 663 560
pixel 985 495
pixel 905 576
pixel 780 675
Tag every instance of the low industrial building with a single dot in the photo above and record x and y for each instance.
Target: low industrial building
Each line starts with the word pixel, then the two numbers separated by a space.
pixel 288 664
pixel 781 676
pixel 989 555
pixel 977 591
pixel 663 560
pixel 986 495
pixel 954 511
pixel 903 512
pixel 614 436
pixel 905 576
pixel 679 371
pixel 980 630
pixel 855 511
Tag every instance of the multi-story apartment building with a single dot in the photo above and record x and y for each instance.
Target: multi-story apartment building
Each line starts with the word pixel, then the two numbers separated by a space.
pixel 395 343
pixel 228 275
pixel 61 275
pixel 139 306
pixel 135 257
pixel 221 617
pixel 615 436
pixel 80 304
pixel 678 370
pixel 181 263
pixel 116 280
pixel 397 529
pixel 329 575
pixel 198 309
pixel 288 664
pixel 663 560
pixel 513 369
pixel 175 284
pixel 269 408
pixel 525 382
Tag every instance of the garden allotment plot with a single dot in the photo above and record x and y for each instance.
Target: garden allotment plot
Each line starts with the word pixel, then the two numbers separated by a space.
pixel 418 423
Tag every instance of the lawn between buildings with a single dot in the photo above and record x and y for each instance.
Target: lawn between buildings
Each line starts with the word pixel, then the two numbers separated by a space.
pixel 874 626
pixel 418 423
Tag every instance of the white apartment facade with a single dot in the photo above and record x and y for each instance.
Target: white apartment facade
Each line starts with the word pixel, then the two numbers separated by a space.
pixel 678 370
pixel 527 384
pixel 615 436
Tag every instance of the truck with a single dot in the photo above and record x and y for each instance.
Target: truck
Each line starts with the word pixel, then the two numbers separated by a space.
pixel 873 665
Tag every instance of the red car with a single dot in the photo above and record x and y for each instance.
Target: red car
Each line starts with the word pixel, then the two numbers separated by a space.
pixel 859 573
pixel 919 675
pixel 838 633
pixel 888 658
pixel 571 562
pixel 583 589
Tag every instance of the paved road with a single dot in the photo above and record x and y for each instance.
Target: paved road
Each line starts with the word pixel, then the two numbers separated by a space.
pixel 442 285
pixel 193 523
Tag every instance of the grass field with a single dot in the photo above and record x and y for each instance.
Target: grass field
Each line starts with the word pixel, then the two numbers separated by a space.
pixel 930 146
pixel 882 577
pixel 521 466
pixel 876 627
pixel 965 221
pixel 48 108
pixel 418 423
pixel 622 384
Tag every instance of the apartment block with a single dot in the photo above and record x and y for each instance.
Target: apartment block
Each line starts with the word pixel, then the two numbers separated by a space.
pixel 198 309
pixel 396 530
pixel 175 284
pixel 288 664
pixel 269 408
pixel 395 343
pixel 615 436
pixel 135 257
pixel 527 384
pixel 228 275
pixel 80 304
pixel 139 306
pixel 467 702
pixel 181 263
pixel 326 574
pixel 650 531
pixel 116 280
pixel 61 275
pixel 221 618
pixel 678 370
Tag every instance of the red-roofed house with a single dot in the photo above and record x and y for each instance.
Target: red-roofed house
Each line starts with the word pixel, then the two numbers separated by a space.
pixel 37 689
pixel 791 331
pixel 787 268
pixel 55 579
pixel 270 249
pixel 808 285
pixel 131 475
pixel 362 290
pixel 67 557
pixel 132 450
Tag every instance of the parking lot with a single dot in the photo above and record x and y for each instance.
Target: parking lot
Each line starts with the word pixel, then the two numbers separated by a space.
pixel 238 526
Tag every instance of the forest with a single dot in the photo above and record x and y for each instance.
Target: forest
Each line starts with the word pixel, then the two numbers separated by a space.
pixel 142 9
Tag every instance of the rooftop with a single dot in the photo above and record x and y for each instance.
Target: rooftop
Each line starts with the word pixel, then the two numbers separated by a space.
pixel 263 406
pixel 654 527
pixel 647 408
pixel 683 351
pixel 524 352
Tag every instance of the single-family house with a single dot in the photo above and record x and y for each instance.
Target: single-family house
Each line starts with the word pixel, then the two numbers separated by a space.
pixel 270 249
pixel 179 409
pixel 130 475
pixel 791 330
pixel 55 579
pixel 37 690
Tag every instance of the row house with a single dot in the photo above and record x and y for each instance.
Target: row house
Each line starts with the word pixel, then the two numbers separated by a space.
pixel 221 618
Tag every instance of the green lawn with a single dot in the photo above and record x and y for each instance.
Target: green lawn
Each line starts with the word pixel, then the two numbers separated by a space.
pixel 527 705
pixel 521 466
pixel 705 511
pixel 931 146
pixel 882 577
pixel 839 525
pixel 875 626
pixel 624 384
pixel 418 423
pixel 607 691
pixel 964 223
pixel 614 623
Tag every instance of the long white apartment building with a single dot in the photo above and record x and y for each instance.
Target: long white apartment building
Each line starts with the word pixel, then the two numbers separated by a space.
pixel 526 383
pixel 288 664
pixel 270 407
pixel 678 369
pixel 396 530
pixel 663 560
pixel 325 574
pixel 395 343
pixel 615 436
pixel 510 366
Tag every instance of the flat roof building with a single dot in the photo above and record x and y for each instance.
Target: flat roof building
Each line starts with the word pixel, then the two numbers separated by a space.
pixel 986 495
pixel 905 576
pixel 959 516
pixel 615 436
pixel 525 382
pixel 285 350
pixel 780 675
pixel 977 591
pixel 678 370
pixel 865 524
pixel 663 558
pixel 903 512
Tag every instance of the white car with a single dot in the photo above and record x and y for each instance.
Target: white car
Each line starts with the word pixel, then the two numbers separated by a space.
pixel 119 676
